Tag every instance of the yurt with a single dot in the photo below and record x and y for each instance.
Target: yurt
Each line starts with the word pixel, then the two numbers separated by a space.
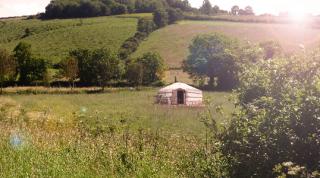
pixel 179 94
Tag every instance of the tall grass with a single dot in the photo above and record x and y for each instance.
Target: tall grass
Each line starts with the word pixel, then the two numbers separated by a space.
pixel 108 135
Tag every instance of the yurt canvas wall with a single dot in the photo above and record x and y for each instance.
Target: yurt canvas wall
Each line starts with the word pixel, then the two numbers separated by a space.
pixel 180 94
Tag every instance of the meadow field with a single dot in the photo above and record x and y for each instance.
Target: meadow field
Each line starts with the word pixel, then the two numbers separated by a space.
pixel 173 41
pixel 116 134
pixel 48 37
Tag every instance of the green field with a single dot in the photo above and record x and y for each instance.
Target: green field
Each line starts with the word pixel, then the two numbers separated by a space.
pixel 173 41
pixel 53 39
pixel 118 134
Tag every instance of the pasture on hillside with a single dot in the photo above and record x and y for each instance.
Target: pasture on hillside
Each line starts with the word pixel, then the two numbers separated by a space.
pixel 173 41
pixel 53 39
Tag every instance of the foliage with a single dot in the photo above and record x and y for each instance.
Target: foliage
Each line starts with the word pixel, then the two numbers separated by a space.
pixel 174 15
pixel 147 69
pixel 235 10
pixel 289 169
pixel 97 66
pixel 135 73
pixel 271 49
pixel 145 26
pixel 29 68
pixel 279 117
pixel 161 18
pixel 107 66
pixel 213 56
pixel 86 8
pixel 69 69
pixel 131 45
pixel 7 67
pixel 206 7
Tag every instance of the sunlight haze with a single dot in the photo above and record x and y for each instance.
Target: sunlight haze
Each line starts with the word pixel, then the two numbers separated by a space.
pixel 296 8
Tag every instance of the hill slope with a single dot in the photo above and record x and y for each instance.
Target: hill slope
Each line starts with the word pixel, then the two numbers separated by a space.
pixel 52 39
pixel 172 42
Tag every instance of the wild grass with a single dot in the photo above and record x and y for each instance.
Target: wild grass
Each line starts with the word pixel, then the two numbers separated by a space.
pixel 120 134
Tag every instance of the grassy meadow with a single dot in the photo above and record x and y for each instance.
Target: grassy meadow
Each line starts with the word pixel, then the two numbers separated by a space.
pixel 53 39
pixel 116 134
pixel 173 41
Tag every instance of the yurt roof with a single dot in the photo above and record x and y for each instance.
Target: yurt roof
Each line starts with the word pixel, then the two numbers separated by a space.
pixel 177 86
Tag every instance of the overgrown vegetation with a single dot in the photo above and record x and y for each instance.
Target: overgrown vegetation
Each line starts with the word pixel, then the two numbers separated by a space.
pixel 279 117
pixel 101 135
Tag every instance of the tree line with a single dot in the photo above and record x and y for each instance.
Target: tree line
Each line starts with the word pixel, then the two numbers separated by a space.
pixel 93 8
pixel 98 67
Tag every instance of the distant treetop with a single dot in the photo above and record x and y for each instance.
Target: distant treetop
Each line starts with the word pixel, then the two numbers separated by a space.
pixel 93 8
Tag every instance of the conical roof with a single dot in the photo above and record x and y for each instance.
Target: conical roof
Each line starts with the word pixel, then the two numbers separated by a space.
pixel 178 85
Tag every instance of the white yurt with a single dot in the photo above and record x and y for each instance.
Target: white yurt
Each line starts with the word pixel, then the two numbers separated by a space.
pixel 179 94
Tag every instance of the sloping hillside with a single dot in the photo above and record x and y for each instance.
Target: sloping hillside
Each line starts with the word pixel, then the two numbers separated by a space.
pixel 52 39
pixel 172 42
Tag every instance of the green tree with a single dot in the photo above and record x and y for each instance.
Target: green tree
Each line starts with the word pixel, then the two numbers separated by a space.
pixel 248 10
pixel 83 56
pixel 107 66
pixel 174 15
pixel 7 67
pixel 235 10
pixel 206 7
pixel 214 57
pixel 22 54
pixel 161 18
pixel 147 69
pixel 69 69
pixel 134 73
pixel 98 66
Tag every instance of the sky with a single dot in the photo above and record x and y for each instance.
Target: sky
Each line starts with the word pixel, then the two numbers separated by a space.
pixel 28 7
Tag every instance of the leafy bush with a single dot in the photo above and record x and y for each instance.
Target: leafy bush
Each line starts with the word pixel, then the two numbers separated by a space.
pixel 145 26
pixel 174 15
pixel 146 70
pixel 131 45
pixel 279 117
pixel 271 49
pixel 161 18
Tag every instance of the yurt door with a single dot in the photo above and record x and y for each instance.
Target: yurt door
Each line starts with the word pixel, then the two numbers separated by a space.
pixel 180 97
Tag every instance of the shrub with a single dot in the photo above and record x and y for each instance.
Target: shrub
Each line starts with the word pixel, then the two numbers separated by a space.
pixel 161 18
pixel 279 117
pixel 145 26
pixel 174 15
pixel 146 70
